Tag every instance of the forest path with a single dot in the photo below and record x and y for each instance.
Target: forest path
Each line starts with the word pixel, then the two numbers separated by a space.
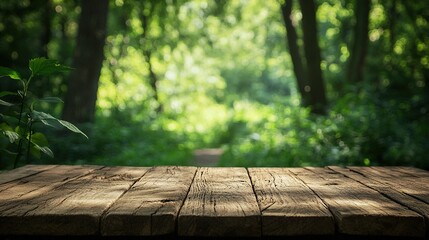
pixel 207 157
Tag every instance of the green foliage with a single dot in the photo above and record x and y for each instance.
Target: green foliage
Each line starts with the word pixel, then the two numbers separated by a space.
pixel 359 130
pixel 225 80
pixel 119 140
pixel 20 118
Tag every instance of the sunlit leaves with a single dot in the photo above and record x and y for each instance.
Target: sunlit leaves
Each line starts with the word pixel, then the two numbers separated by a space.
pixel 4 103
pixel 9 132
pixel 4 71
pixel 40 143
pixel 49 120
pixel 45 67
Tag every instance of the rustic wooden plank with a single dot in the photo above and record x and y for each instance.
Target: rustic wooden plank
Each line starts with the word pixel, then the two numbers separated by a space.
pixel 221 202
pixel 360 210
pixel 378 171
pixel 417 187
pixel 22 172
pixel 288 206
pixel 388 190
pixel 24 189
pixel 73 208
pixel 415 172
pixel 151 206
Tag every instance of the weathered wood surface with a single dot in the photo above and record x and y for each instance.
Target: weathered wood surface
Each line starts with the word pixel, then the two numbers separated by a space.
pixel 220 202
pixel 288 206
pixel 390 190
pixel 360 210
pixel 150 207
pixel 23 172
pixel 189 201
pixel 73 208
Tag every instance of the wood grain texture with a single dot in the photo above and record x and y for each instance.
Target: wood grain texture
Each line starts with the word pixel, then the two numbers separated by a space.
pixel 25 189
pixel 73 208
pixel 415 172
pixel 390 191
pixel 288 206
pixel 151 206
pixel 221 202
pixel 359 210
pixel 214 202
pixel 22 172
pixel 416 186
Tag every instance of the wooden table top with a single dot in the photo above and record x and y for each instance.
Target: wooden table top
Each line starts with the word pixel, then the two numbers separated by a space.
pixel 190 201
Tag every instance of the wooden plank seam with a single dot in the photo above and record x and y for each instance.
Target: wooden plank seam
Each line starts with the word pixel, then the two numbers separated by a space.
pixel 108 208
pixel 256 196
pixel 323 201
pixel 176 223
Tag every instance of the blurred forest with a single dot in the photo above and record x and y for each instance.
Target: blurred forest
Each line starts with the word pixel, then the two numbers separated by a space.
pixel 271 82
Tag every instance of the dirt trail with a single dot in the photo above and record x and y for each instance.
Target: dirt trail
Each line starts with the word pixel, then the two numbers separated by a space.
pixel 207 157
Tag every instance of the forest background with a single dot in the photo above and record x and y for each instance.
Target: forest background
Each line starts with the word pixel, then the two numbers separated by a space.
pixel 272 83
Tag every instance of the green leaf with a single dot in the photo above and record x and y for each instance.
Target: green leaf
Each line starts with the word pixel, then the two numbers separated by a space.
pixel 46 99
pixel 9 119
pixel 39 139
pixel 45 67
pixel 4 103
pixel 6 93
pixel 4 71
pixel 42 116
pixel 21 131
pixel 48 120
pixel 9 132
pixel 13 136
pixel 9 152
pixel 41 143
pixel 35 151
pixel 51 100
pixel 46 150
pixel 71 127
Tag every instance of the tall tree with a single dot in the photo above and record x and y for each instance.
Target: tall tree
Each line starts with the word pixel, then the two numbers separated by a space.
pixel 46 34
pixel 81 97
pixel 308 73
pixel 360 41
pixel 312 55
pixel 298 66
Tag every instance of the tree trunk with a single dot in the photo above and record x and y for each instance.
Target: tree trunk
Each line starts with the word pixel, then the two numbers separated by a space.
pixel 46 34
pixel 81 95
pixel 298 67
pixel 360 41
pixel 312 54
pixel 147 53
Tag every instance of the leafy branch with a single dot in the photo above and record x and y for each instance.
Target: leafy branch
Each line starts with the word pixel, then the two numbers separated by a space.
pixel 19 127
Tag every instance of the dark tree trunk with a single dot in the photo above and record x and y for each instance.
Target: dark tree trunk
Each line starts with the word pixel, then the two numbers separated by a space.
pixel 312 54
pixel 360 41
pixel 298 66
pixel 46 34
pixel 81 95
pixel 147 53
